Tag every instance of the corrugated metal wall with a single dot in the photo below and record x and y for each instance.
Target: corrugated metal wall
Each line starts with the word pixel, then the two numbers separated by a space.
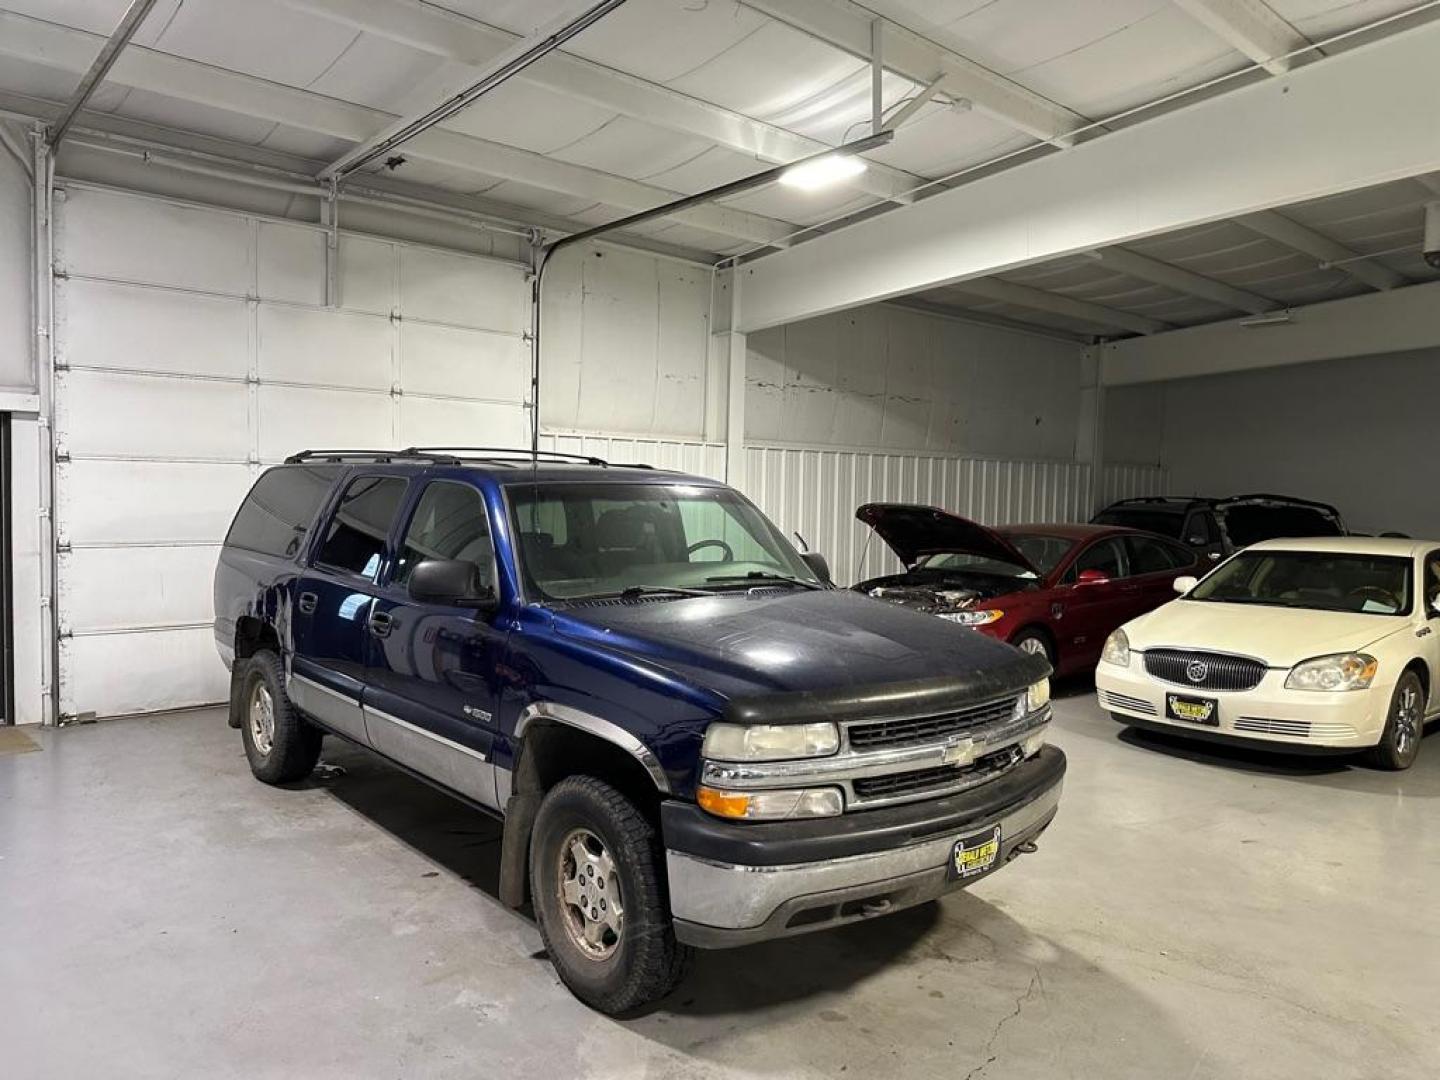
pixel 697 458
pixel 816 492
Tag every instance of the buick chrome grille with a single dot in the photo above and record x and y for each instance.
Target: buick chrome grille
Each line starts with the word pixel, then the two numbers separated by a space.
pixel 1204 670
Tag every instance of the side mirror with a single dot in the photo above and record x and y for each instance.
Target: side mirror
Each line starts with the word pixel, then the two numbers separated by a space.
pixel 1092 577
pixel 1184 584
pixel 450 581
pixel 1434 607
pixel 818 566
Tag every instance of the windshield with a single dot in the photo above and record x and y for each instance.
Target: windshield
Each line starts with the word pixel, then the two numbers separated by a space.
pixel 587 540
pixel 1317 580
pixel 1249 524
pixel 1164 522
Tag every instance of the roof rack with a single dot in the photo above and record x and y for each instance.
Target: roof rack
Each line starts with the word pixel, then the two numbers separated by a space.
pixel 448 455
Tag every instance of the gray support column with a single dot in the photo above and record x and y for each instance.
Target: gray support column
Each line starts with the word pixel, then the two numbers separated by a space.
pixel 725 415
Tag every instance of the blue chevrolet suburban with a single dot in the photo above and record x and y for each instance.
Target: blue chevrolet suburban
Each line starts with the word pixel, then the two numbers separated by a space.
pixel 692 738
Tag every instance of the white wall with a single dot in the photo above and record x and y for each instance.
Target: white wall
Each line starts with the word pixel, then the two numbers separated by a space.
pixel 16 231
pixel 1359 433
pixel 888 377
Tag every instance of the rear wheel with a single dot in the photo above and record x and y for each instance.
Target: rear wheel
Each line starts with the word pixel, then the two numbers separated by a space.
pixel 280 745
pixel 1400 741
pixel 1035 643
pixel 598 886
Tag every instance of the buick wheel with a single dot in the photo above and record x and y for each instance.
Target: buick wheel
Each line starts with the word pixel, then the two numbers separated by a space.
pixel 1399 744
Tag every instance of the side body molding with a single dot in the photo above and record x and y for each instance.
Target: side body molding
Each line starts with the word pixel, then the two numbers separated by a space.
pixel 594 725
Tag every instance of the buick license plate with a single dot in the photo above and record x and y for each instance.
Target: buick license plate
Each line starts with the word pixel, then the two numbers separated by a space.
pixel 974 855
pixel 1193 710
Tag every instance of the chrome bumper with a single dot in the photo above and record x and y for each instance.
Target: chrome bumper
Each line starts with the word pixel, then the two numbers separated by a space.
pixel 719 905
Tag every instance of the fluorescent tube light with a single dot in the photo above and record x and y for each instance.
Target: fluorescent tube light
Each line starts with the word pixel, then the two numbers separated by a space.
pixel 822 172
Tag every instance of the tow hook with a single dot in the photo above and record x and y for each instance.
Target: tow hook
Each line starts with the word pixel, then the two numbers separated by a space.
pixel 1025 847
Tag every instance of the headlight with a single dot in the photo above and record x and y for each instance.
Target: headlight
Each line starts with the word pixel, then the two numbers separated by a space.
pixel 772 805
pixel 770 742
pixel 973 618
pixel 1116 650
pixel 1038 696
pixel 1343 671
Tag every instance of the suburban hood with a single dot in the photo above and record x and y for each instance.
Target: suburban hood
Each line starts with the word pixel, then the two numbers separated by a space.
pixel 780 642
pixel 1280 636
pixel 913 531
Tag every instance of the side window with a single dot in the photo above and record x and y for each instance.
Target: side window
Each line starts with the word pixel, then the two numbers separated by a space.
pixel 1432 578
pixel 1104 556
pixel 277 513
pixel 1148 556
pixel 449 523
pixel 1201 529
pixel 355 539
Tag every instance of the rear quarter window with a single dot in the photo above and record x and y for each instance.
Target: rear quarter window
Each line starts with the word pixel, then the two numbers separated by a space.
pixel 277 515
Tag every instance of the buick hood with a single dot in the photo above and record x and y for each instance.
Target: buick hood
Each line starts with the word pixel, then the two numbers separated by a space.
pixel 780 642
pixel 916 531
pixel 1280 636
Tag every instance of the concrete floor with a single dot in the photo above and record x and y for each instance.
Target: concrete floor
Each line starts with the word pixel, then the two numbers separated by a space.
pixel 1190 915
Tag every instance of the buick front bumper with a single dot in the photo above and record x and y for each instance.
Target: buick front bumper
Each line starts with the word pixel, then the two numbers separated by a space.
pixel 734 883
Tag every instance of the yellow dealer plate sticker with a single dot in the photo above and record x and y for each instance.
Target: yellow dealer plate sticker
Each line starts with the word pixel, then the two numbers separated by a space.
pixel 973 855
pixel 1192 710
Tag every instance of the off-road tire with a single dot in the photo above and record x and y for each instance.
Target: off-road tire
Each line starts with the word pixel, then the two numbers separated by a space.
pixel 295 742
pixel 647 962
pixel 1393 752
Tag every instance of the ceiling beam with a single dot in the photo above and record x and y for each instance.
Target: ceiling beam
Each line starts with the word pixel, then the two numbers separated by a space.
pixel 911 50
pixel 1177 279
pixel 1251 27
pixel 456 37
pixel 1430 183
pixel 1369 324
pixel 985 318
pixel 1267 144
pixel 1328 253
pixel 1026 296
pixel 100 67
pixel 188 80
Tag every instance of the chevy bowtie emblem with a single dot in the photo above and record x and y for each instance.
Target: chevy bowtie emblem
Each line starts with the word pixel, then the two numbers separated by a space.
pixel 1196 671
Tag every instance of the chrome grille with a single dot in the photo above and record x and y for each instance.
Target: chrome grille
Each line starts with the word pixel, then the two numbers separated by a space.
pixel 1130 704
pixel 885 734
pixel 1204 670
pixel 1293 728
pixel 921 780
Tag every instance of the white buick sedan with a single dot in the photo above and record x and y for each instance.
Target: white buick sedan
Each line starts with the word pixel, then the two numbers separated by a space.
pixel 1324 644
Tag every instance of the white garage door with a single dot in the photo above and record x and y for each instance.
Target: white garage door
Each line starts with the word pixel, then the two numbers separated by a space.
pixel 194 347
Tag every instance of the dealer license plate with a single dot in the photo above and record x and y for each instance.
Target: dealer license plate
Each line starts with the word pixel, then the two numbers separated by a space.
pixel 1193 710
pixel 973 855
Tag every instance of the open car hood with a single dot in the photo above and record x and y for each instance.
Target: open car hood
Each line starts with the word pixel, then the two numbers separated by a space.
pixel 916 531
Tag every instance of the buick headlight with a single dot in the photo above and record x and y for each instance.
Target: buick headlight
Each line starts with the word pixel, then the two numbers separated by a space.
pixel 770 742
pixel 973 618
pixel 1116 650
pixel 772 805
pixel 1343 671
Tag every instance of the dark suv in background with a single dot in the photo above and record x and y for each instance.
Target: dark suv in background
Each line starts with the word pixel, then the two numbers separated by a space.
pixel 1216 528
pixel 692 740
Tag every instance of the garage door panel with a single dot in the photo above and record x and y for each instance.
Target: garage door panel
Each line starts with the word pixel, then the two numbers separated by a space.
pixel 452 362
pixel 462 290
pixel 104 234
pixel 290 263
pixel 140 416
pixel 116 588
pixel 434 422
pixel 295 418
pixel 367 275
pixel 324 347
pixel 119 674
pixel 149 502
pixel 142 329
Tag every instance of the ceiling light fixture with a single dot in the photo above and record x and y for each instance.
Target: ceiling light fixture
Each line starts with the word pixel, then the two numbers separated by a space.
pixel 1278 318
pixel 822 172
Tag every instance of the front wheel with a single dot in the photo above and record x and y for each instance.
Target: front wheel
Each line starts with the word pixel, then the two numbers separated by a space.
pixel 598 886
pixel 1034 643
pixel 1404 725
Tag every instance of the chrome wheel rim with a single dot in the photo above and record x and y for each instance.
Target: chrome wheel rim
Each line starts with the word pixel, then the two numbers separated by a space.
pixel 1034 646
pixel 589 893
pixel 1407 722
pixel 262 718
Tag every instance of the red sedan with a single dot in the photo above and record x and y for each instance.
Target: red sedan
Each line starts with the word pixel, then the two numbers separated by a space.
pixel 1052 589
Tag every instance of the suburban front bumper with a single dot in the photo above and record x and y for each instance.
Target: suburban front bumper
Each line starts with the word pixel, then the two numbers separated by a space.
pixel 733 883
pixel 1268 714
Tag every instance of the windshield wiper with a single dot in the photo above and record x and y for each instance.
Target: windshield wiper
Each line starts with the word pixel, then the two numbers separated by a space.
pixel 765 575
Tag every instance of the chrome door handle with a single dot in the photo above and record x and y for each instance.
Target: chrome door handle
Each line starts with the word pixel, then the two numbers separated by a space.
pixel 381 623
pixel 307 603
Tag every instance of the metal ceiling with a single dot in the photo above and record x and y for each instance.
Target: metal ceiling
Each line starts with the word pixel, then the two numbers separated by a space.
pixel 663 98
